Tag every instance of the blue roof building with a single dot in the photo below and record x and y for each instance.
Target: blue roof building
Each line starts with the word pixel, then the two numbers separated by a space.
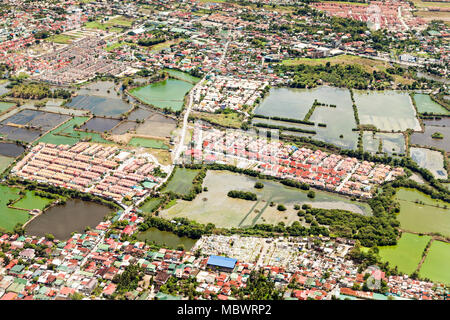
pixel 221 262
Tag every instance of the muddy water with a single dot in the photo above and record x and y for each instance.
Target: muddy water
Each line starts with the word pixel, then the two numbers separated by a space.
pixel 62 220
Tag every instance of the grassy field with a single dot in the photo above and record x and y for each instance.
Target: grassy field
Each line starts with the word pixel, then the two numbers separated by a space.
pixel 436 266
pixel 30 201
pixel 55 138
pixel 114 25
pixel 10 217
pixel 233 120
pixel 181 181
pixel 369 65
pixel 424 216
pixel 216 207
pixel 151 204
pixel 148 143
pixel 434 15
pixel 60 38
pixel 407 254
pixel 426 4
pixel 5 162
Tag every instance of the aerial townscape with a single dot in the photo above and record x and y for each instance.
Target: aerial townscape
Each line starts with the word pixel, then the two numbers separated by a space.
pixel 224 150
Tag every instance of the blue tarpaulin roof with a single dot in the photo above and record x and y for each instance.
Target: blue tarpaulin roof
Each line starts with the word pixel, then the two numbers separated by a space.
pixel 220 261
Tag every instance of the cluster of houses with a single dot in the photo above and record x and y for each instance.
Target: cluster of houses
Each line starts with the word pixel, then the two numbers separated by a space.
pixel 87 265
pixel 320 169
pixel 81 60
pixel 391 15
pixel 93 168
pixel 221 92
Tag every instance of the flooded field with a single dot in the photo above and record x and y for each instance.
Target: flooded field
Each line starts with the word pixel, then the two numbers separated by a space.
pixel 425 104
pixel 431 160
pixel 426 139
pixel 100 106
pixel 124 127
pixel 165 238
pixel 100 124
pixel 140 114
pixel 165 94
pixel 11 149
pixel 157 125
pixel 55 136
pixel 437 263
pixel 17 133
pixel 386 110
pixel 295 103
pixel 421 213
pixel 62 220
pixel 215 206
pixel 390 142
pixel 407 253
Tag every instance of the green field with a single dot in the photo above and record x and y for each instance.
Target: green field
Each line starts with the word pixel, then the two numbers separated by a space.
pixel 424 216
pixel 147 143
pixel 5 106
pixel 10 217
pixel 151 204
pixel 407 254
pixel 5 162
pixel 425 104
pixel 436 266
pixel 113 25
pixel 61 38
pixel 30 201
pixel 181 181
pixel 66 133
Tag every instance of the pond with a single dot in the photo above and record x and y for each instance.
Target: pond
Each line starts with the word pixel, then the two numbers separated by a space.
pixel 11 149
pixel 100 106
pixel 166 238
pixel 100 124
pixel 386 110
pixel 168 93
pixel 295 103
pixel 62 220
pixel 425 138
pixel 390 142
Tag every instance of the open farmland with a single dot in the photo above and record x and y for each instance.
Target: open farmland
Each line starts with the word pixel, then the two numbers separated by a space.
pixel 406 254
pixel 437 263
pixel 420 213
pixel 216 207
